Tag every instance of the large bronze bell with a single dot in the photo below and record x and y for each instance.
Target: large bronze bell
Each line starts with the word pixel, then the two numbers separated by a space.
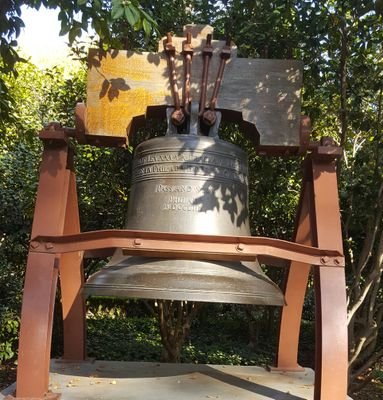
pixel 187 184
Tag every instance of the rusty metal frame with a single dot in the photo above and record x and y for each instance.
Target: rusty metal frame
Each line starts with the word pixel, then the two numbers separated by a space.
pixel 318 224
pixel 56 212
pixel 186 246
pixel 58 248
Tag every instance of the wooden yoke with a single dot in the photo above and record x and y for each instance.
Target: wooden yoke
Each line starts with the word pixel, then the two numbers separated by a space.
pixel 262 94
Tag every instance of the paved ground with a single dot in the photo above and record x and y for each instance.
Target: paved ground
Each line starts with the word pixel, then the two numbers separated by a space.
pixel 101 380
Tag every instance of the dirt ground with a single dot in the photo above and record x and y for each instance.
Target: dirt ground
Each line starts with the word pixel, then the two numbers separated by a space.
pixel 373 391
pixel 7 375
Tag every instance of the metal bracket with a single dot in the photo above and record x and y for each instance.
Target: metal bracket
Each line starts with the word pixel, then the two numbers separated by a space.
pixel 213 131
pixel 193 121
pixel 172 129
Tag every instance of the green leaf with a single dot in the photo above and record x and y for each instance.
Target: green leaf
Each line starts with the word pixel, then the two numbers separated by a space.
pixel 129 16
pixel 117 11
pixel 138 25
pixel 18 22
pixel 65 28
pixel 147 27
pixel 97 4
pixel 81 2
pixel 62 16
pixel 84 22
pixel 148 17
pixel 135 12
pixel 101 28
pixel 73 33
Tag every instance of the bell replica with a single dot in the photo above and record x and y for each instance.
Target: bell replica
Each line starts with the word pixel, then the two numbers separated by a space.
pixel 191 183
pixel 187 183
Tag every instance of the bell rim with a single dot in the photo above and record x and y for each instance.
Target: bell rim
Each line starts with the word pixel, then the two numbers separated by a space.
pixel 145 292
pixel 173 279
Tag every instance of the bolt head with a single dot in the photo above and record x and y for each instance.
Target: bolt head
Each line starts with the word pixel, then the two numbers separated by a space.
pixel 53 126
pixel 178 117
pixel 327 141
pixel 207 51
pixel 240 247
pixel 209 117
pixel 226 52
pixel 324 260
pixel 137 242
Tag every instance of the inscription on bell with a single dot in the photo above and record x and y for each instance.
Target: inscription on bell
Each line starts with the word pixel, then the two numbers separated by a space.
pixel 189 163
pixel 182 203
pixel 220 160
pixel 182 207
pixel 176 188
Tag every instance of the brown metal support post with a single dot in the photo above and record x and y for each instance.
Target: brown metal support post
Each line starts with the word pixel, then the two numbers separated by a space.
pixel 41 273
pixel 295 289
pixel 36 326
pixel 330 288
pixel 71 281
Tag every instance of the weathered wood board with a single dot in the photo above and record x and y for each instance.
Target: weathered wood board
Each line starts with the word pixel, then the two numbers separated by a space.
pixel 122 84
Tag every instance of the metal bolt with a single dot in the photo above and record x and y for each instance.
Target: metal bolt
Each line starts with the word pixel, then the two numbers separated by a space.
pixel 324 260
pixel 209 117
pixel 137 242
pixel 169 44
pixel 240 247
pixel 49 246
pixel 34 244
pixel 327 141
pixel 337 261
pixel 53 126
pixel 178 117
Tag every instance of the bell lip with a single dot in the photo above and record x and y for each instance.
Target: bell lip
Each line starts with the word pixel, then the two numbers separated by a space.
pixel 271 295
pixel 180 295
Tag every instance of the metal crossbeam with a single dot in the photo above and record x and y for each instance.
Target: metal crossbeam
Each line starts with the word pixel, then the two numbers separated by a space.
pixel 187 246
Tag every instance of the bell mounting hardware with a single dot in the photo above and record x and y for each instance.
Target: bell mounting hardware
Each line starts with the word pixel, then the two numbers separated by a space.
pixel 188 212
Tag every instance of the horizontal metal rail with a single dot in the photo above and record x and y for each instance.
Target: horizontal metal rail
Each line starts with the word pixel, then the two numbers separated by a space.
pixel 187 246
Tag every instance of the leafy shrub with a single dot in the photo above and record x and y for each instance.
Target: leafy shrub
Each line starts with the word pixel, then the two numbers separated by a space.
pixel 37 97
pixel 9 326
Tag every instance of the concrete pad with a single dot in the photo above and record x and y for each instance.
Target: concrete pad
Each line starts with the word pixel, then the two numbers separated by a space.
pixel 117 380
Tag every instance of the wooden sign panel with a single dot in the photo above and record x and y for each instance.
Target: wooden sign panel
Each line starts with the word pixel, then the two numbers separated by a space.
pixel 262 92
